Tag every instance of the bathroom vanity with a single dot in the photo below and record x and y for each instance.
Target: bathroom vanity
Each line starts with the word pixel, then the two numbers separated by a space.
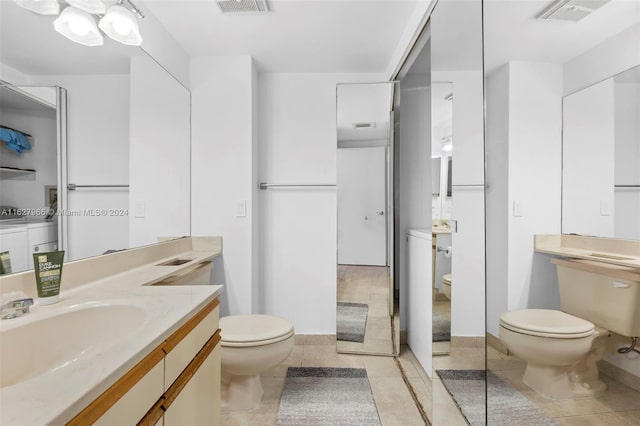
pixel 128 343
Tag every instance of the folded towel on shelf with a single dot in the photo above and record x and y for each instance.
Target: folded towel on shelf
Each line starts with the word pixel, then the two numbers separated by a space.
pixel 14 140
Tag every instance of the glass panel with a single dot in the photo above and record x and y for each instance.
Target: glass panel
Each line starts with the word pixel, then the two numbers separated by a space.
pixel 561 95
pixel 367 309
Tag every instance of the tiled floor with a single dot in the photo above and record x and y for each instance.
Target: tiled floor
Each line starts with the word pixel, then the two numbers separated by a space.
pixel 392 397
pixel 369 285
pixel 619 406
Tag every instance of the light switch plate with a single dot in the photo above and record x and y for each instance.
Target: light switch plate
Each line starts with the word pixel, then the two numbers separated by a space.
pixel 517 209
pixel 241 208
pixel 139 209
pixel 604 208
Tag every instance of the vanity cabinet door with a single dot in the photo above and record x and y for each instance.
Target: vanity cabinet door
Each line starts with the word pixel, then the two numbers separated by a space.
pixel 198 403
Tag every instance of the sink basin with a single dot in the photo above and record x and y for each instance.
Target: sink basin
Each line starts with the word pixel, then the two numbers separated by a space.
pixel 610 256
pixel 58 341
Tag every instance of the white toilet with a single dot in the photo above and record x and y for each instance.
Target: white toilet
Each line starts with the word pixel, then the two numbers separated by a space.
pixel 562 348
pixel 250 345
pixel 446 285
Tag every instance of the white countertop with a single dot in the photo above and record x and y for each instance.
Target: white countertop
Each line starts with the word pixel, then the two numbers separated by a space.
pixel 58 395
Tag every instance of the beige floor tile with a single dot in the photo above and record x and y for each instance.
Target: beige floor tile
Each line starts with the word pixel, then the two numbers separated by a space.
pixel 326 356
pixel 378 328
pixel 411 368
pixel 381 366
pixel 320 339
pixel 619 397
pixel 461 359
pixel 409 417
pixel 423 392
pixel 445 410
pixel 391 394
pixel 234 419
pixel 608 419
pixel 498 361
pixel 565 407
pixel 345 346
pixel 375 346
pixel 633 416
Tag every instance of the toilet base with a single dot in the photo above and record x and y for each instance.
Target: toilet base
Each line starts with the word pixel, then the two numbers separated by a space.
pixel 240 393
pixel 558 382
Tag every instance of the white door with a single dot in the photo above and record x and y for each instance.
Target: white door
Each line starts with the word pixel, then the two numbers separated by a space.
pixel 362 212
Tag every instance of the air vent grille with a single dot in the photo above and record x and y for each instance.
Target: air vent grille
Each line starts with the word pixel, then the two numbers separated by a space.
pixel 243 6
pixel 364 125
pixel 571 10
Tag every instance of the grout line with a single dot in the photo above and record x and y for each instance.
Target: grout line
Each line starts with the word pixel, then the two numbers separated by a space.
pixel 412 391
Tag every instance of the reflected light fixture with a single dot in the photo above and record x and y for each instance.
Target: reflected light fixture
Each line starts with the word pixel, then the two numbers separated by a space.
pixel 79 26
pixel 41 7
pixel 95 7
pixel 120 24
pixel 77 21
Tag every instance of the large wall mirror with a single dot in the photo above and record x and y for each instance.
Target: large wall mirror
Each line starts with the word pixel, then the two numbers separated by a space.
pixel 367 309
pixel 120 174
pixel 601 158
pixel 563 150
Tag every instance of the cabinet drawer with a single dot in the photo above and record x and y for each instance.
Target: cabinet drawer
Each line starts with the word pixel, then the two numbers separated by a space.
pixel 183 345
pixel 43 234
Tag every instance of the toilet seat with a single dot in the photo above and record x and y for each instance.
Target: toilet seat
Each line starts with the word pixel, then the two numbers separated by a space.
pixel 254 330
pixel 546 323
pixel 446 278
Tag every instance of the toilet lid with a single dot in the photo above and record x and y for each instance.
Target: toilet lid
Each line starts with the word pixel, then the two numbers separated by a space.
pixel 447 279
pixel 253 330
pixel 547 323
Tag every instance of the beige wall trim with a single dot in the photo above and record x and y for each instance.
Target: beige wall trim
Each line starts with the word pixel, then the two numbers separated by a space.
pixel 109 397
pixel 467 341
pixel 497 344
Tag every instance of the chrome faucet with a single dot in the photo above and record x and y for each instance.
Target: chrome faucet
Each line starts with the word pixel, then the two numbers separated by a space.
pixel 15 308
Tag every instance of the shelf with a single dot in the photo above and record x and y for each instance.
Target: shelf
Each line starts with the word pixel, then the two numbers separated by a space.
pixel 12 172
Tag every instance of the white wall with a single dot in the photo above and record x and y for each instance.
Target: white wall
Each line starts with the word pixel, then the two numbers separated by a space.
pixel 535 140
pixel 609 58
pixel 98 154
pixel 497 191
pixel 160 154
pixel 588 142
pixel 467 202
pixel 524 128
pixel 414 162
pixel 298 227
pixel 223 178
pixel 27 191
pixel 627 160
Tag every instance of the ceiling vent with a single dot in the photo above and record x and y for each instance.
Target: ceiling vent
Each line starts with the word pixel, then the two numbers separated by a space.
pixel 371 125
pixel 243 6
pixel 571 10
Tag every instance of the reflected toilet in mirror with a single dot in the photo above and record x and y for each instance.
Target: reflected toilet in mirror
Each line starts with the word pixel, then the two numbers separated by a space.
pixel 366 312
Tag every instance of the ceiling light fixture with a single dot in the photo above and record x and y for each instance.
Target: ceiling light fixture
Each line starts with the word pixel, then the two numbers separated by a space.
pixel 41 7
pixel 77 21
pixel 120 25
pixel 79 26
pixel 95 7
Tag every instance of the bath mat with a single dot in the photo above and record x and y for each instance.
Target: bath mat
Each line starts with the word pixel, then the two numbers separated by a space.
pixel 441 328
pixel 317 396
pixel 506 406
pixel 351 320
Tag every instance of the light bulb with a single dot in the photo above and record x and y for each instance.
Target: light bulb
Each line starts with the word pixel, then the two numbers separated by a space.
pixel 79 27
pixel 121 25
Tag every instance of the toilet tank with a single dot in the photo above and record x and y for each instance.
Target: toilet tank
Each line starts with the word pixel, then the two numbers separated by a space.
pixel 605 294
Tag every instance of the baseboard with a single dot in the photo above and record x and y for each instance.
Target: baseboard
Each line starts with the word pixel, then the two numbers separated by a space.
pixel 403 337
pixel 467 341
pixel 315 339
pixel 617 373
pixel 497 344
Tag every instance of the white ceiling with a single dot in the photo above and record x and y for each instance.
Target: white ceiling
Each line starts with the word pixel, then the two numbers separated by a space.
pixel 513 33
pixel 29 43
pixel 295 36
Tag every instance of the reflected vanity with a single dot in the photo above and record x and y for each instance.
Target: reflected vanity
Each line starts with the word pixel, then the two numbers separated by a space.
pixel 367 307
